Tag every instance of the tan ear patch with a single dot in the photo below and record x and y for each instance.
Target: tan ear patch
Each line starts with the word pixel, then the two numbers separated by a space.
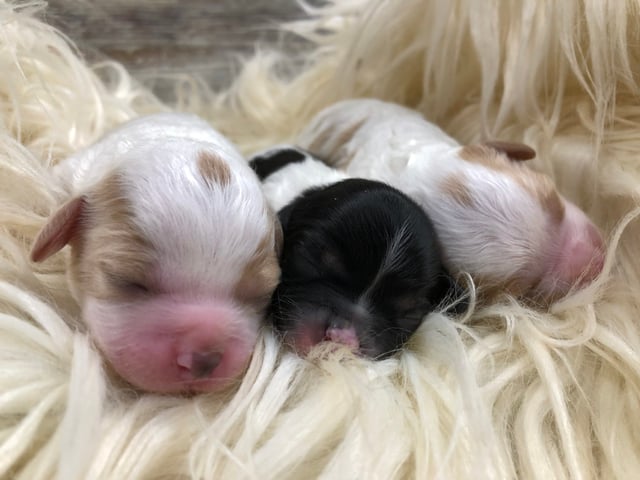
pixel 484 155
pixel 540 186
pixel 213 168
pixel 59 230
pixel 456 188
pixel 513 150
pixel 549 198
pixel 113 250
pixel 320 140
pixel 261 275
pixel 324 139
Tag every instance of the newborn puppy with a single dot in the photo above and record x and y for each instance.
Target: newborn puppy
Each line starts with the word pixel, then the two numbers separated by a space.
pixel 360 262
pixel 501 222
pixel 173 251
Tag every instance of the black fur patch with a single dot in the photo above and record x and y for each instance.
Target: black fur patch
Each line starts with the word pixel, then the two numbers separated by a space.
pixel 273 160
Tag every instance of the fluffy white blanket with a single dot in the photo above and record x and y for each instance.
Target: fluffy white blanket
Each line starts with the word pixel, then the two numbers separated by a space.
pixel 509 392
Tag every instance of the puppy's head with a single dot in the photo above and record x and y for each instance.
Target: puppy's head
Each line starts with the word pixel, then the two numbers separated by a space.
pixel 508 225
pixel 360 265
pixel 173 260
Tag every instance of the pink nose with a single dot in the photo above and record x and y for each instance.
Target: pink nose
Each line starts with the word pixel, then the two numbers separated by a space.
pixel 345 335
pixel 206 335
pixel 172 346
pixel 582 252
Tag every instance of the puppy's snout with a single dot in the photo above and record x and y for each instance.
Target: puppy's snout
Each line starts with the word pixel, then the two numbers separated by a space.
pixel 199 364
pixel 582 240
pixel 578 255
pixel 344 329
pixel 176 345
pixel 585 254
pixel 345 335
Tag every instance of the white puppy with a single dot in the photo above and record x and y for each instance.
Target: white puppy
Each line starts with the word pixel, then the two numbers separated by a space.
pixel 501 222
pixel 173 251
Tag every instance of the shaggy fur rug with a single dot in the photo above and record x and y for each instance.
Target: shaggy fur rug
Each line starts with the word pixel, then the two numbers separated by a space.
pixel 507 392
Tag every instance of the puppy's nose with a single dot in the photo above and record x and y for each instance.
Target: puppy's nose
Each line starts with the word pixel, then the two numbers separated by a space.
pixel 343 335
pixel 200 364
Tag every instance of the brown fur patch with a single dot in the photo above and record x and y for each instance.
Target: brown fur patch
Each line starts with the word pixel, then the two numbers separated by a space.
pixel 456 188
pixel 110 254
pixel 540 186
pixel 549 198
pixel 213 168
pixel 320 141
pixel 324 138
pixel 485 155
pixel 515 151
pixel 60 229
pixel 261 276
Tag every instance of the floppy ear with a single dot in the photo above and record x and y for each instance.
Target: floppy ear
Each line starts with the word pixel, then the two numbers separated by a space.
pixel 515 151
pixel 61 227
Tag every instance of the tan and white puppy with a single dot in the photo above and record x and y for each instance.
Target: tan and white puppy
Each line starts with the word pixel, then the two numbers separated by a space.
pixel 173 251
pixel 498 220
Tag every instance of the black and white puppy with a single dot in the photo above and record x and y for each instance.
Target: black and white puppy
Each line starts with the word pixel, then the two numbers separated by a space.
pixel 361 264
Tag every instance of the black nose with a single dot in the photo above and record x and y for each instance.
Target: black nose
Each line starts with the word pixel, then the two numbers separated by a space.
pixel 202 364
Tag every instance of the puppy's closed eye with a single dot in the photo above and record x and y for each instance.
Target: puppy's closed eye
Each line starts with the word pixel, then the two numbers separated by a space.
pixel 127 286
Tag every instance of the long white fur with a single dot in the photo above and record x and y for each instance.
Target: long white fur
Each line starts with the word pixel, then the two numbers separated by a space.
pixel 511 393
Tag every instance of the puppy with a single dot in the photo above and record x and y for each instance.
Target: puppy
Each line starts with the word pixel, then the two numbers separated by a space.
pixel 360 262
pixel 173 251
pixel 501 222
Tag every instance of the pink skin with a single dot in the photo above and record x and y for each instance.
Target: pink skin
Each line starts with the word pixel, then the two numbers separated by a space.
pixel 344 336
pixel 170 345
pixel 577 257
pixel 308 335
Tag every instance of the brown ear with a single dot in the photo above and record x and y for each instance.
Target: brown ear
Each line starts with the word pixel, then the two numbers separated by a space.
pixel 515 151
pixel 59 229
